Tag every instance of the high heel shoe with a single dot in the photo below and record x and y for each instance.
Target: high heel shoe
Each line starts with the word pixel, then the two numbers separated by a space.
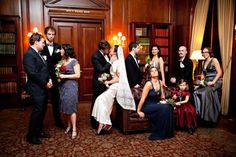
pixel 67 129
pixel 100 127
pixel 74 134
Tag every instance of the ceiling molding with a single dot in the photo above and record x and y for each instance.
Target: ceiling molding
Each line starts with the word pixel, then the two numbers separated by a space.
pixel 77 4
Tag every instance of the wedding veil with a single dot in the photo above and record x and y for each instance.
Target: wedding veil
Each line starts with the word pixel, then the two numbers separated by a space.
pixel 124 96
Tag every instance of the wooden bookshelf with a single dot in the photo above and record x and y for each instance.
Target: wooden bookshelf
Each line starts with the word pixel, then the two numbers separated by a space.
pixel 9 61
pixel 147 34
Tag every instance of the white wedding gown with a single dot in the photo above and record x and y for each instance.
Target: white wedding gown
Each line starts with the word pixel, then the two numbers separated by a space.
pixel 103 104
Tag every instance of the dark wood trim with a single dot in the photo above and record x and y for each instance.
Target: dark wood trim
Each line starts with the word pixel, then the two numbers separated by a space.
pixel 100 5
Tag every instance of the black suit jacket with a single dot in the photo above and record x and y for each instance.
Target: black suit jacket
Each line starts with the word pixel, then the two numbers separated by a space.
pixel 52 60
pixel 133 71
pixel 185 72
pixel 100 66
pixel 37 73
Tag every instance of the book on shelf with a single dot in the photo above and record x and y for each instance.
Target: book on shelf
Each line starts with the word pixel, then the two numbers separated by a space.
pixel 7 49
pixel 162 41
pixel 162 32
pixel 164 51
pixel 8 87
pixel 141 31
pixel 6 70
pixel 7 37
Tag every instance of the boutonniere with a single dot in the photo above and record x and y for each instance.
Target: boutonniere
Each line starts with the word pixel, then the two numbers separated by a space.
pixel 44 57
pixel 57 50
pixel 138 61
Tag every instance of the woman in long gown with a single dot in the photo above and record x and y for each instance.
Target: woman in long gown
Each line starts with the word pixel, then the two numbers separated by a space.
pixel 157 61
pixel 68 87
pixel 160 115
pixel 104 102
pixel 206 98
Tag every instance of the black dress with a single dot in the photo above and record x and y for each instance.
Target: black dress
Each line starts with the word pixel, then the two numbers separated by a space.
pixel 160 116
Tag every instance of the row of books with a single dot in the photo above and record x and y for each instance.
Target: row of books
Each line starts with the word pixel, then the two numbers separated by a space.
pixel 162 32
pixel 8 87
pixel 162 41
pixel 6 70
pixel 143 41
pixel 7 37
pixel 164 51
pixel 7 27
pixel 7 49
pixel 142 31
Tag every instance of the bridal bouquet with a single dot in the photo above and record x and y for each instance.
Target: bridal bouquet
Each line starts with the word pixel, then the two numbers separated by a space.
pixel 60 69
pixel 104 77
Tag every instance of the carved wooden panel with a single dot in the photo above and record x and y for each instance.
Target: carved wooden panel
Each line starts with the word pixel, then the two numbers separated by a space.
pixel 84 37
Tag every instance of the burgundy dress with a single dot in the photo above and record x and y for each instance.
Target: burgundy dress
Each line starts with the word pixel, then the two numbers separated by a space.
pixel 185 113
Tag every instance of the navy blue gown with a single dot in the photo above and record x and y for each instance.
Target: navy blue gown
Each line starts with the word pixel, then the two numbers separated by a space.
pixel 160 116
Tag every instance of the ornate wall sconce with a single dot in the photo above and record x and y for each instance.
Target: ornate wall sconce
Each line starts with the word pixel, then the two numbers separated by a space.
pixel 35 30
pixel 119 39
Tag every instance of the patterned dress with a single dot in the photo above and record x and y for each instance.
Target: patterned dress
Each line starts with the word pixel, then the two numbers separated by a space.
pixel 206 99
pixel 68 90
pixel 160 116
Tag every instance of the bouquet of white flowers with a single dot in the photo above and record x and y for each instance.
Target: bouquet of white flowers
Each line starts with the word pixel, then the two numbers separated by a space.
pixel 104 77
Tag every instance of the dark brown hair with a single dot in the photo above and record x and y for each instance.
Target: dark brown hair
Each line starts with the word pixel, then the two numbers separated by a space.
pixel 49 28
pixel 35 37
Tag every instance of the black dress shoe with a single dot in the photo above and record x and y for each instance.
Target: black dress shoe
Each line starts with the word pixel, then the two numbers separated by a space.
pixel 190 131
pixel 43 134
pixel 33 140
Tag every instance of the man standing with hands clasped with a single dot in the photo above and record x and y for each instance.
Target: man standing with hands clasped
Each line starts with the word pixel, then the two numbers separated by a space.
pixel 37 85
pixel 52 55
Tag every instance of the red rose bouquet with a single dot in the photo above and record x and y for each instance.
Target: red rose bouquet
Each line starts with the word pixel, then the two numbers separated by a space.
pixel 60 69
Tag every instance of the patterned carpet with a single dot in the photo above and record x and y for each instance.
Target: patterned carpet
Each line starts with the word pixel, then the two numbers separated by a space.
pixel 14 122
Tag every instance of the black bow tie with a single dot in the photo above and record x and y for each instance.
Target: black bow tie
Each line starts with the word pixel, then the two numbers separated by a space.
pixel 50 44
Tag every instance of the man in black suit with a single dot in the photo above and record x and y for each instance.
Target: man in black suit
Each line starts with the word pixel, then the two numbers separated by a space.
pixel 52 55
pixel 184 68
pixel 37 84
pixel 132 66
pixel 101 64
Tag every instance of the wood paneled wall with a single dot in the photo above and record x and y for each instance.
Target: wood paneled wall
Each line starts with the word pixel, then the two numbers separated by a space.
pixel 116 17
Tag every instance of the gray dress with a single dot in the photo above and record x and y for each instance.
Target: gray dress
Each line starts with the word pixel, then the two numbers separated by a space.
pixel 206 99
pixel 68 89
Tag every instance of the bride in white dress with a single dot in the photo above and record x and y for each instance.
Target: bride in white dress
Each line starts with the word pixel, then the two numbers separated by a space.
pixel 118 88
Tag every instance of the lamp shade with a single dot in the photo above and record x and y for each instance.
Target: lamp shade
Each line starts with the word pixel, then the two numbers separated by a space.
pixel 197 55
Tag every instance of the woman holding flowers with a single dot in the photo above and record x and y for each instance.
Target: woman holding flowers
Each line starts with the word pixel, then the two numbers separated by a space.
pixel 157 61
pixel 159 114
pixel 118 87
pixel 103 104
pixel 68 88
pixel 206 98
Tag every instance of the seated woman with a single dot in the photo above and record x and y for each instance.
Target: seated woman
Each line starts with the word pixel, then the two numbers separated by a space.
pixel 206 98
pixel 157 61
pixel 186 117
pixel 160 115
pixel 117 87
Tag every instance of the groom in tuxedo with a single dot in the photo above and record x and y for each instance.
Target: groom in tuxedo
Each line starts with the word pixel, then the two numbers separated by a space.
pixel 101 64
pixel 132 66
pixel 37 84
pixel 52 55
